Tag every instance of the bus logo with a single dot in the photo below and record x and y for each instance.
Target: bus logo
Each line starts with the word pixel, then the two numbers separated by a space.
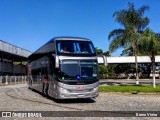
pixel 6 114
pixel 81 87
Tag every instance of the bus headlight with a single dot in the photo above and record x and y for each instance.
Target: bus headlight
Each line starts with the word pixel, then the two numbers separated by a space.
pixel 63 90
pixel 95 89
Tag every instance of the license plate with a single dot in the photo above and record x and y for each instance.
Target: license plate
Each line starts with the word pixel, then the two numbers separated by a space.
pixel 81 88
pixel 80 95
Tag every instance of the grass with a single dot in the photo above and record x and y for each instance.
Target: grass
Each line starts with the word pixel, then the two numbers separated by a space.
pixel 129 88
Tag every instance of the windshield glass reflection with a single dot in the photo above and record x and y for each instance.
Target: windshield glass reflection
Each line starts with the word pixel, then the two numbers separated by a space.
pixel 75 47
pixel 76 70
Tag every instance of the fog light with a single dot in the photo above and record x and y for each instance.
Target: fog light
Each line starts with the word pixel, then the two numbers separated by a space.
pixel 95 89
pixel 63 90
pixel 62 95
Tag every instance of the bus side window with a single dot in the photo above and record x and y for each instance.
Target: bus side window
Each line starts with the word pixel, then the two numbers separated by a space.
pixel 44 71
pixel 52 66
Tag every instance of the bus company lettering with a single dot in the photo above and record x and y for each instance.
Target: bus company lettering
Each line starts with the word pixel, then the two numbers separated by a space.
pixel 146 115
pixel 81 87
pixel 14 114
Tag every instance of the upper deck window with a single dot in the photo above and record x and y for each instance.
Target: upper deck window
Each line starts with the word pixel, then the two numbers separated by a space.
pixel 75 47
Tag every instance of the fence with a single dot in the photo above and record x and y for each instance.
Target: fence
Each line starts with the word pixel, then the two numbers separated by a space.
pixel 12 79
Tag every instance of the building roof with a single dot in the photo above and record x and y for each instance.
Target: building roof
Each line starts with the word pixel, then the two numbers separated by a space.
pixel 9 48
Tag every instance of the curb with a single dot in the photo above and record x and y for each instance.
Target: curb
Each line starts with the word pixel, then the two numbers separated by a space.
pixel 132 93
pixel 3 84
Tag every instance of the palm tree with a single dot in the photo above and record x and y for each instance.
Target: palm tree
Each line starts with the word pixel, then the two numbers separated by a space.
pixel 107 53
pixel 150 44
pixel 133 22
pixel 98 50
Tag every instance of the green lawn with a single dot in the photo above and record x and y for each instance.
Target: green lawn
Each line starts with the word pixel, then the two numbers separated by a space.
pixel 129 88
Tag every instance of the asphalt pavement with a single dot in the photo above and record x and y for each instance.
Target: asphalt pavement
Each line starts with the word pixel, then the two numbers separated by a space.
pixel 20 98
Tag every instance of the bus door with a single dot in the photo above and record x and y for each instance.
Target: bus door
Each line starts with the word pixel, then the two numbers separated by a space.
pixel 44 75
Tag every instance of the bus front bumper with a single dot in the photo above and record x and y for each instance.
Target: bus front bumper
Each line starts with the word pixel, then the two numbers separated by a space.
pixel 64 94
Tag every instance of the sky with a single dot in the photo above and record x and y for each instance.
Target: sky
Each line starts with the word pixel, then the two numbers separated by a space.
pixel 31 23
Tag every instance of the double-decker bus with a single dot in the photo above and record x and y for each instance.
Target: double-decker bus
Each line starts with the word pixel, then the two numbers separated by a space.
pixel 64 68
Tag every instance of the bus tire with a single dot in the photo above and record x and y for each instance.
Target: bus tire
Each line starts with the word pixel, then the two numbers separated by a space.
pixel 43 89
pixel 30 85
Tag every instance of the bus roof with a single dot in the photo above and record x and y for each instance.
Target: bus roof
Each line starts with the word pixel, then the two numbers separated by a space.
pixel 69 38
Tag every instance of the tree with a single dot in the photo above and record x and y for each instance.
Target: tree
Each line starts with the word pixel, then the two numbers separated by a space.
pixel 150 44
pixel 127 52
pixel 98 50
pixel 133 23
pixel 146 68
pixel 107 53
pixel 102 70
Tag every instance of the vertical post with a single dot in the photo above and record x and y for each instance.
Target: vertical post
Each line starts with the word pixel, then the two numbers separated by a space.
pixel 136 61
pixel 1 80
pixel 12 69
pixel 2 63
pixel 137 75
pixel 127 71
pixel 21 73
pixel 26 72
pixel 15 79
pixel 153 70
pixel 7 72
pixel 12 66
pixel 6 79
pixel 1 68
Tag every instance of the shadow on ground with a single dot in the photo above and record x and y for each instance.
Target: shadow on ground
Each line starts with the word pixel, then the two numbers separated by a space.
pixel 67 101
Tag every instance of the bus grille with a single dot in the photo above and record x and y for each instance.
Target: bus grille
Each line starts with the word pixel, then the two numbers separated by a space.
pixel 80 91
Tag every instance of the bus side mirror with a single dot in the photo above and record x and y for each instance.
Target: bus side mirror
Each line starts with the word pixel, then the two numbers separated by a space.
pixel 56 60
pixel 102 60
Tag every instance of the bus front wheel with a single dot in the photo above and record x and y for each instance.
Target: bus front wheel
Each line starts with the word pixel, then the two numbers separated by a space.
pixel 45 89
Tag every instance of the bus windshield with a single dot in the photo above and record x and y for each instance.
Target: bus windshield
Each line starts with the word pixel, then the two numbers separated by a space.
pixel 78 70
pixel 75 47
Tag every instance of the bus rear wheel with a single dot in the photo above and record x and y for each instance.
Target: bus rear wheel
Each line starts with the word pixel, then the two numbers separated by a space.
pixel 30 84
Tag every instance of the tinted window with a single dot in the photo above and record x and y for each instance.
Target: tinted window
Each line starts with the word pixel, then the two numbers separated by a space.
pixel 75 47
pixel 69 69
pixel 76 70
